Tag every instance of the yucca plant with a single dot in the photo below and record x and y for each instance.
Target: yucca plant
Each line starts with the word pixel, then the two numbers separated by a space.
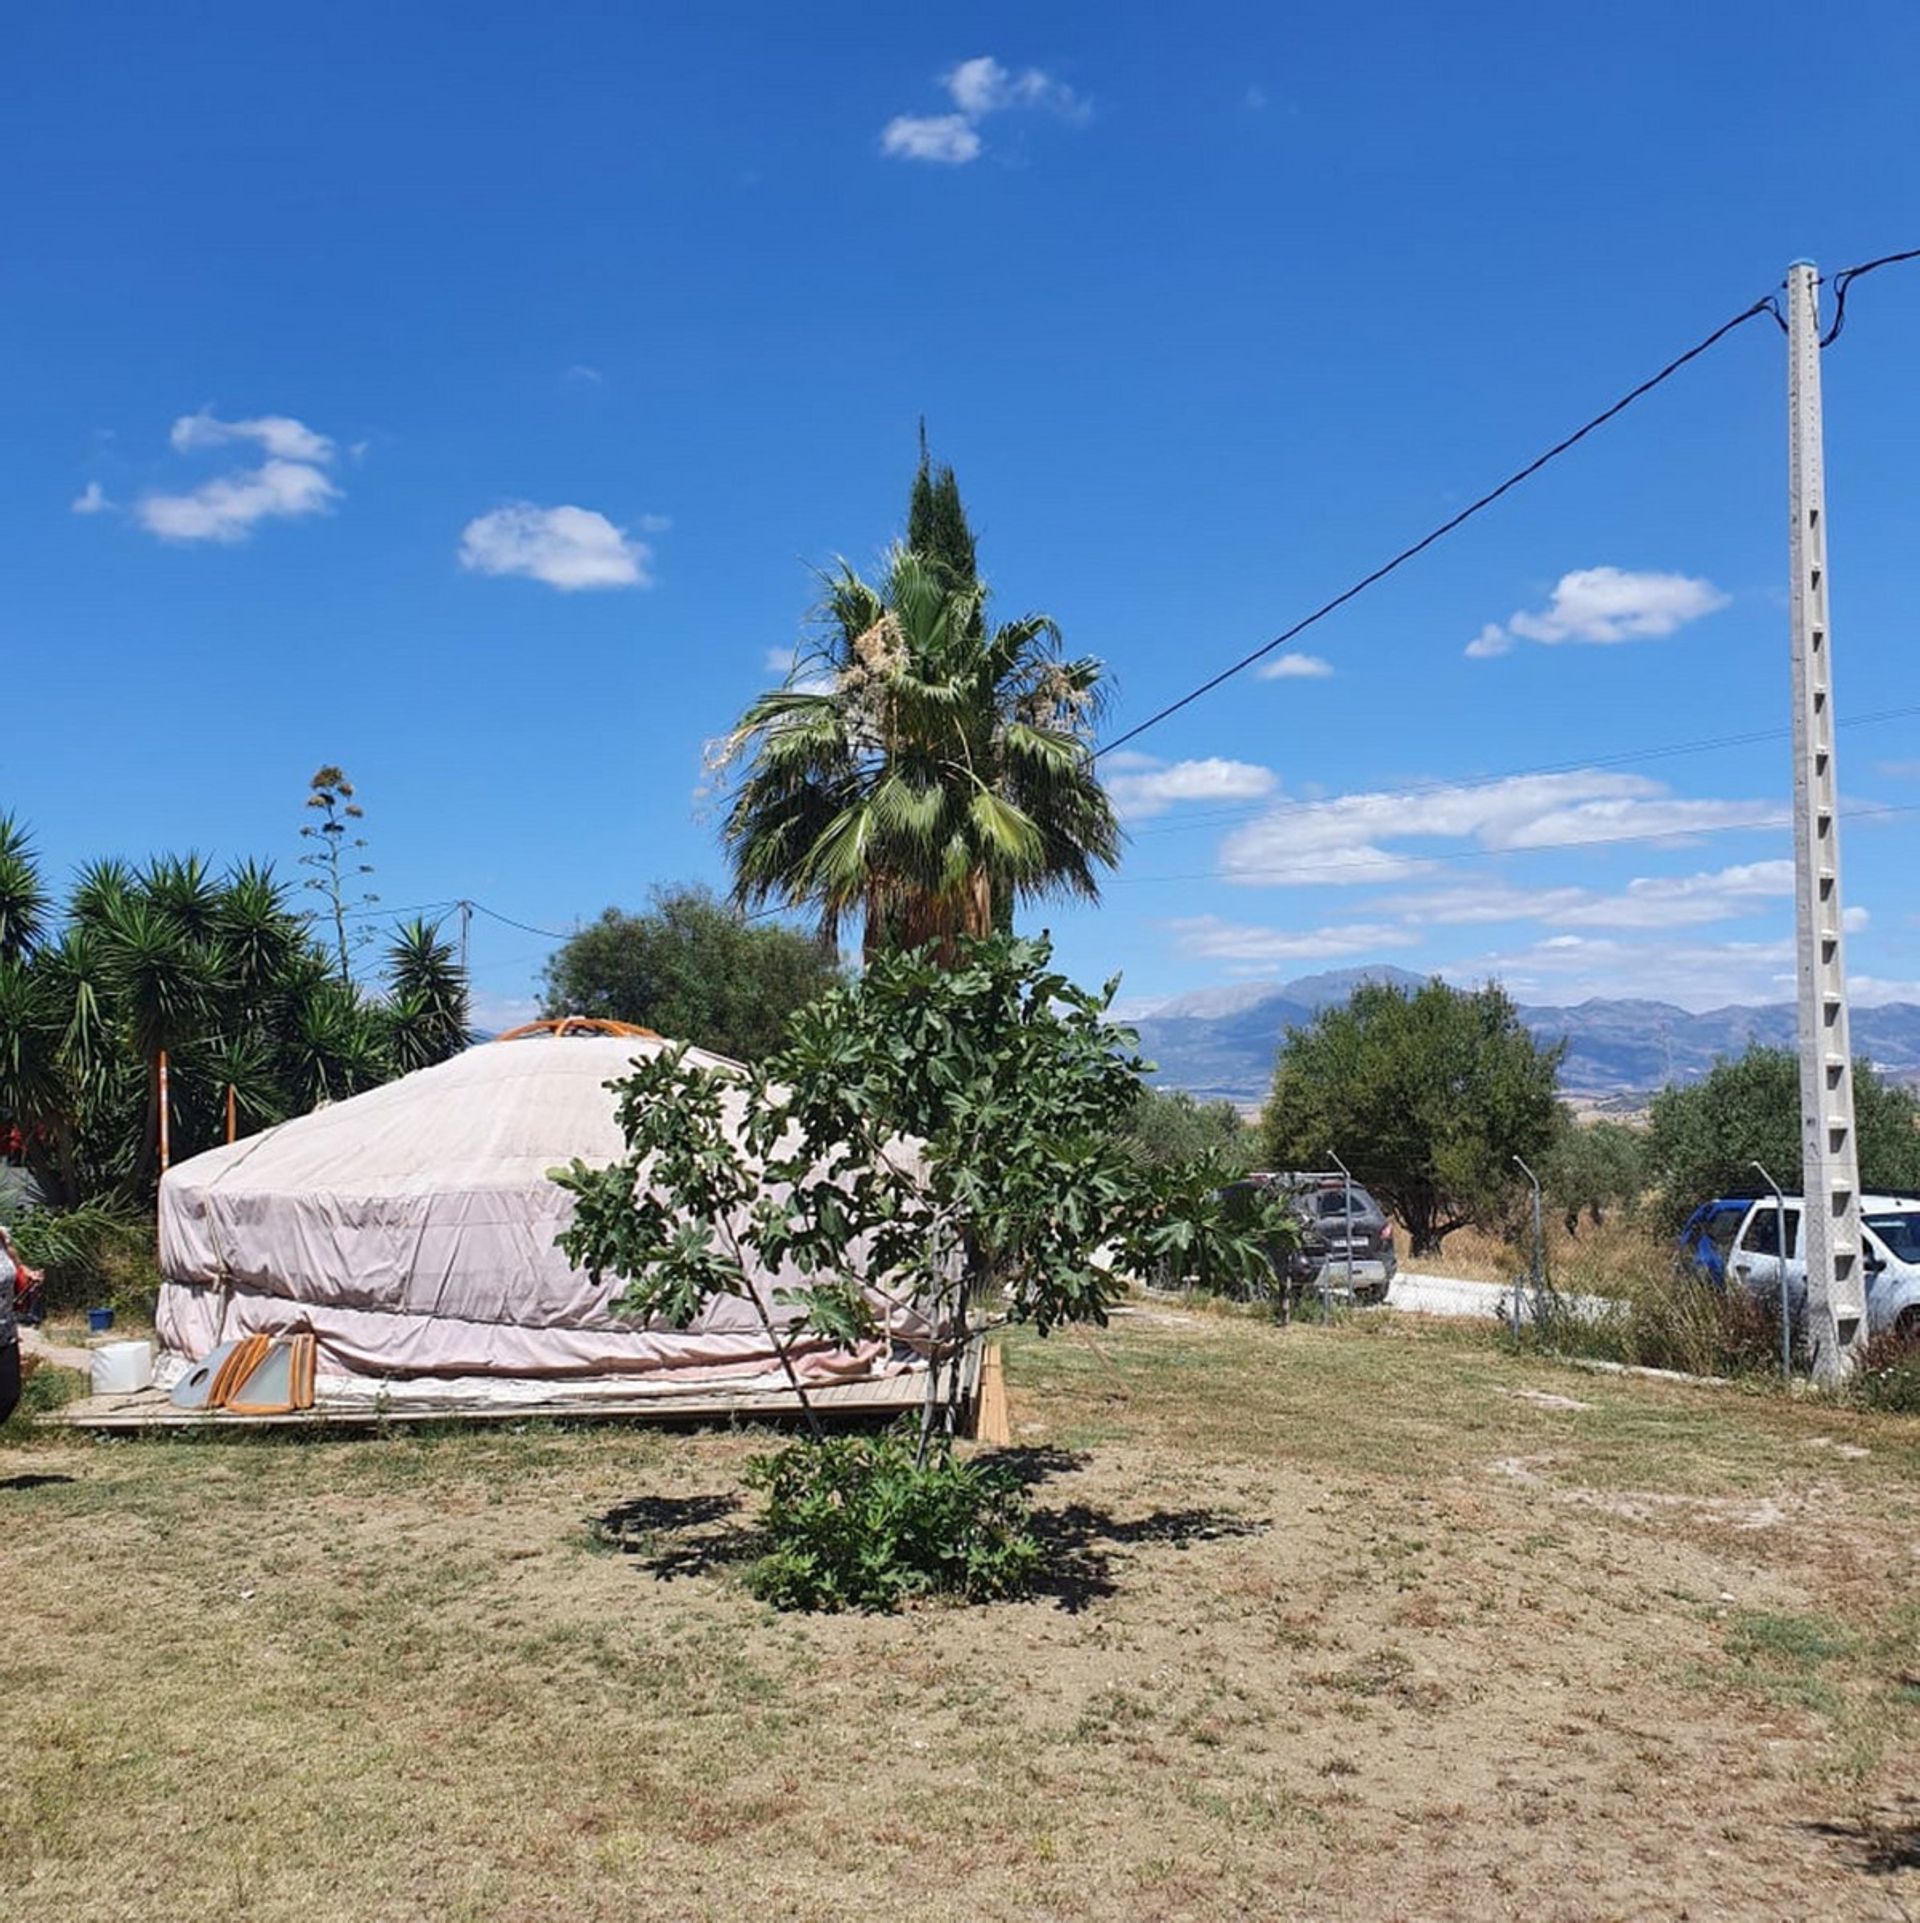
pixel 23 899
pixel 214 976
pixel 426 1010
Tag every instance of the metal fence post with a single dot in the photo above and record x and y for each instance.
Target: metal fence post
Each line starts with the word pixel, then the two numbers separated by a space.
pixel 1780 1243
pixel 1346 1176
pixel 1539 1255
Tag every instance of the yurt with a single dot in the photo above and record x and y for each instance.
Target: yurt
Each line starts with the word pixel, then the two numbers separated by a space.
pixel 410 1231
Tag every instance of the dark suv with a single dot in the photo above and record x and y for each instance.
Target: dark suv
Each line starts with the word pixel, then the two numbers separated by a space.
pixel 1318 1256
pixel 1322 1207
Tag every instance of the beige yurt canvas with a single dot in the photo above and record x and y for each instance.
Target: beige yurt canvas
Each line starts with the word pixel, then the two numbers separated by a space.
pixel 411 1231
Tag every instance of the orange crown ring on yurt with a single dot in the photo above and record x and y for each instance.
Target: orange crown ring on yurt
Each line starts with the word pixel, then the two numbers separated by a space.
pixel 578 1025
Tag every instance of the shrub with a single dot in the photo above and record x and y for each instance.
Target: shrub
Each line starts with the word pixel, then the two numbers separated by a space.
pixel 1680 1323
pixel 95 1256
pixel 856 1523
pixel 1887 1375
pixel 41 1388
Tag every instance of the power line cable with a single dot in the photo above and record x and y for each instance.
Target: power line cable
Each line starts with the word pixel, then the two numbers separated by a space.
pixel 1406 554
pixel 1845 278
pixel 525 927
pixel 377 914
pixel 1767 304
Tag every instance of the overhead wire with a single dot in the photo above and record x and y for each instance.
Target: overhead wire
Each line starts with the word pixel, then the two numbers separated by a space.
pixel 1845 278
pixel 377 913
pixel 1406 554
pixel 525 927
pixel 1767 304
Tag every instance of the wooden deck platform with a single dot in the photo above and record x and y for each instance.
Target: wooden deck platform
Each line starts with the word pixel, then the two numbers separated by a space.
pixel 151 1411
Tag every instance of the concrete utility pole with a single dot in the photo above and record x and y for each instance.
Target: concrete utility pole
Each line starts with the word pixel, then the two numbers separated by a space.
pixel 1836 1277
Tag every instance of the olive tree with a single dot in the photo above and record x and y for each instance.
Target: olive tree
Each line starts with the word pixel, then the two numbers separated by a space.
pixel 1427 1095
pixel 1703 1140
pixel 694 968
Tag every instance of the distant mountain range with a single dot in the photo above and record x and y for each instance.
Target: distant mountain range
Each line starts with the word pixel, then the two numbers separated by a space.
pixel 1220 1042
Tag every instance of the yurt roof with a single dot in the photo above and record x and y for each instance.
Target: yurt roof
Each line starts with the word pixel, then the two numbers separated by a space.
pixel 497 1116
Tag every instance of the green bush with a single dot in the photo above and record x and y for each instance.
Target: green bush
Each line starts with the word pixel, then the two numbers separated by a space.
pixel 44 1388
pixel 95 1256
pixel 1679 1322
pixel 1887 1375
pixel 856 1523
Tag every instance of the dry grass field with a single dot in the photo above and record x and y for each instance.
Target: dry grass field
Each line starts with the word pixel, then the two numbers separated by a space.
pixel 1369 1622
pixel 1614 1259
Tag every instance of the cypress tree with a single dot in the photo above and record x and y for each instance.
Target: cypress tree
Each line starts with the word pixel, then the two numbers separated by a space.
pixel 938 531
pixel 937 528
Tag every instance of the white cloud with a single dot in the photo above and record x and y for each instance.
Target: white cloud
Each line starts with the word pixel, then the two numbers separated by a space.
pixel 1466 905
pixel 1255 99
pixel 1141 786
pixel 1211 938
pixel 983 86
pixel 1294 667
pixel 92 499
pixel 276 434
pixel 1344 840
pixel 948 139
pixel 581 375
pixel 977 88
pixel 1655 816
pixel 566 547
pixel 1701 975
pixel 788 663
pixel 1602 606
pixel 493 1014
pixel 1871 991
pixel 1653 901
pixel 1574 968
pixel 1680 901
pixel 226 508
pixel 288 484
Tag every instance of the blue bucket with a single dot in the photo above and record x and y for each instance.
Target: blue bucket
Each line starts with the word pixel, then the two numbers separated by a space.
pixel 99 1321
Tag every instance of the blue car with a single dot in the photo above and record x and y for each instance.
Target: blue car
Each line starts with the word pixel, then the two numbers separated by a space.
pixel 1736 1240
pixel 1709 1235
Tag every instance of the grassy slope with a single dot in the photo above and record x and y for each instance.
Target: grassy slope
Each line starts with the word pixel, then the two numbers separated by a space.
pixel 1342 1623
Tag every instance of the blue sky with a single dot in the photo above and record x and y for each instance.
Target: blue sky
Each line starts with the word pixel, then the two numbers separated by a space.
pixel 463 395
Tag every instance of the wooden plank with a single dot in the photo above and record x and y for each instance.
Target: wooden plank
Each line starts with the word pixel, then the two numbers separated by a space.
pixel 151 1409
pixel 992 1422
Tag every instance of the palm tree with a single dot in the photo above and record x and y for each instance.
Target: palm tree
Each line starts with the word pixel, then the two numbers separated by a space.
pixel 919 761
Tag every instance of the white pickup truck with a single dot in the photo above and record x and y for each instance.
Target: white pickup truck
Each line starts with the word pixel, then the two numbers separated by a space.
pixel 1745 1235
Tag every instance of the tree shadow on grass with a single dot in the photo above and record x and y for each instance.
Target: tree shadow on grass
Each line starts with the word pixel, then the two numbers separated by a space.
pixel 671 1536
pixel 674 1536
pixel 32 1481
pixel 1080 1540
pixel 1879 1848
